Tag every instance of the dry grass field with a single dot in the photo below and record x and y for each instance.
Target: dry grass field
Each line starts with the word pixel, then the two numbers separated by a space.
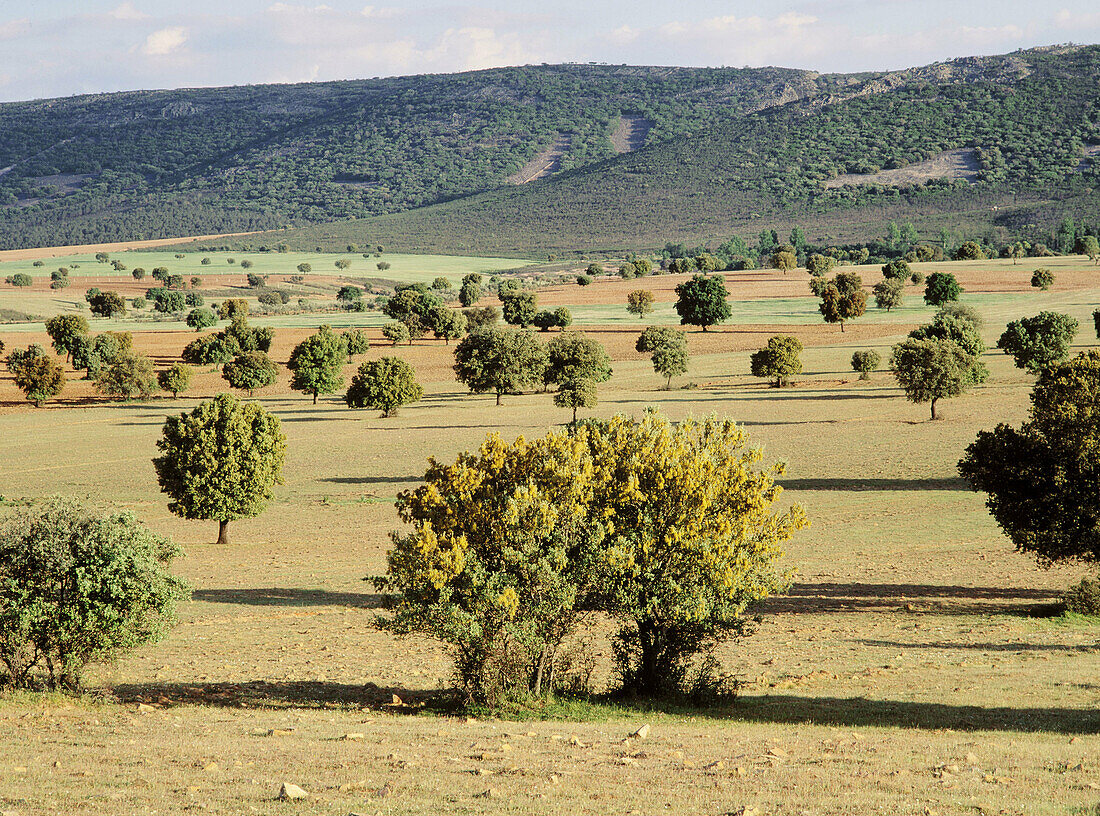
pixel 914 668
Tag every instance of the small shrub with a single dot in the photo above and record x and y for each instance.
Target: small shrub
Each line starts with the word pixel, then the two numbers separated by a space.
pixel 865 362
pixel 79 587
pixel 1042 279
pixel 1084 598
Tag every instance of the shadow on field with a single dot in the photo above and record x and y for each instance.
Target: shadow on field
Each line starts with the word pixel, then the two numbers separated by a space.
pixel 288 597
pixel 857 484
pixel 944 600
pixel 288 694
pixel 985 647
pixel 859 711
pixel 369 480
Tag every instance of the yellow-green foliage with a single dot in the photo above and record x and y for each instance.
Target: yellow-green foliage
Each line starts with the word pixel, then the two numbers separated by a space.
pixel 669 529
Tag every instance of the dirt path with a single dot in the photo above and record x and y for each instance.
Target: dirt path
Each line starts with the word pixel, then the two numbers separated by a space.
pixel 119 246
pixel 544 163
pixel 630 134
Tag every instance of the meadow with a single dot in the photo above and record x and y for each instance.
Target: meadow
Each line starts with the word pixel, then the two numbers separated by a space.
pixel 918 665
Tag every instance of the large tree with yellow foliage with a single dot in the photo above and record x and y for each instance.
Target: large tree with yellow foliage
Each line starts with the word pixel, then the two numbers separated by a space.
pixel 668 529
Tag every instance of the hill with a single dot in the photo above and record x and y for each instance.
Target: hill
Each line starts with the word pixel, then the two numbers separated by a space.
pixel 1007 154
pixel 558 157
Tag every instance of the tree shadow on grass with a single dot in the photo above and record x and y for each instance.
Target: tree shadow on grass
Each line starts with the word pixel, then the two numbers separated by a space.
pixel 371 480
pixel 859 711
pixel 920 598
pixel 859 484
pixel 844 712
pixel 274 596
pixel 291 694
pixel 985 647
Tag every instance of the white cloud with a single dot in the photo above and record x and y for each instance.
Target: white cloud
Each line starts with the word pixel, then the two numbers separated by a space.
pixel 380 12
pixel 14 28
pixel 624 35
pixel 127 11
pixel 1076 20
pixel 165 41
pixel 286 8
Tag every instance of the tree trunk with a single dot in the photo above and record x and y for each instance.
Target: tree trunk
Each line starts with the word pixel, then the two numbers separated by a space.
pixel 223 532
pixel 574 414
pixel 498 397
pixel 704 328
pixel 842 326
pixel 934 407
pixel 314 397
pixel 668 383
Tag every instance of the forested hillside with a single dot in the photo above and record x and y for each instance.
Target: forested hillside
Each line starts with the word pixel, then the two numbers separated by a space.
pixel 432 155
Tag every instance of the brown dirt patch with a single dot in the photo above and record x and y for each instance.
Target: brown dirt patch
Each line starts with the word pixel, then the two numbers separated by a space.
pixel 119 246
pixel 952 164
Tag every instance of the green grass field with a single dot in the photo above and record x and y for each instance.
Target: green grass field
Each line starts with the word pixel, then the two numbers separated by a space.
pixel 913 669
pixel 403 268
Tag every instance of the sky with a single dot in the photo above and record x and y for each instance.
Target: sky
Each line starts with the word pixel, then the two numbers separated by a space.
pixel 54 48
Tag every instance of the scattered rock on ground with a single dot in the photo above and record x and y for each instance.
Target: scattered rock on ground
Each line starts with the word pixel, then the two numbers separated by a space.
pixel 289 792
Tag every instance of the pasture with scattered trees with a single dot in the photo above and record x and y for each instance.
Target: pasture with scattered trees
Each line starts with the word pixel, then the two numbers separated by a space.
pixel 616 553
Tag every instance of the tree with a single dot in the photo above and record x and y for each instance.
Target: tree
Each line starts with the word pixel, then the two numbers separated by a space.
pixel 246 264
pixel 342 263
pixel 383 266
pixel 233 308
pixel 64 329
pixel 39 378
pixel 1040 341
pixel 963 326
pixel 888 293
pixel 1090 246
pixel 576 393
pixel 92 353
pixel 639 302
pixel 508 546
pixel 499 360
pixel 865 362
pixel 211 349
pixel 843 299
pixel 356 341
pixel 170 302
pixel 304 268
pixel 695 543
pixel 441 284
pixel 176 378
pixel 447 324
pixel 250 370
pixel 785 258
pixel 1015 252
pixel 930 370
pixel 628 271
pixel 396 333
pixel 200 319
pixel 349 294
pixel 702 301
pixel 819 265
pixel 897 269
pixel 778 359
pixel 667 348
pixel 19 356
pixel 573 355
pixel 1042 279
pixel 1040 478
pixel 19 279
pixel 968 251
pixel 593 269
pixel 195 299
pixel 480 318
pixel 469 293
pixel 940 288
pixel 79 587
pixel 518 307
pixel 317 363
pixel 127 376
pixel 221 461
pixel 385 385
pixel 107 304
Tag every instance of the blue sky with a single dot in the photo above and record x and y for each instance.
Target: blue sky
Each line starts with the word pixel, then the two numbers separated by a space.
pixel 62 47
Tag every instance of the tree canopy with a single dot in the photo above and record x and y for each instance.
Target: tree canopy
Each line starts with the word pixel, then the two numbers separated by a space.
pixel 702 301
pixel 1040 478
pixel 221 461
pixel 502 360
